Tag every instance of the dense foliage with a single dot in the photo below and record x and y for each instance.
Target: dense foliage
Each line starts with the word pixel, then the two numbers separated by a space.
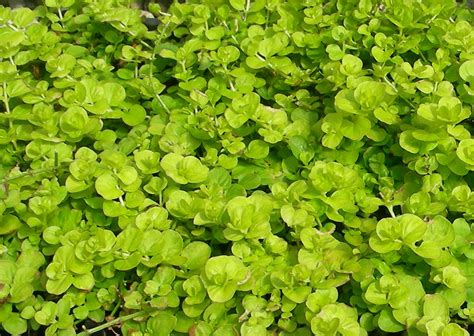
pixel 263 167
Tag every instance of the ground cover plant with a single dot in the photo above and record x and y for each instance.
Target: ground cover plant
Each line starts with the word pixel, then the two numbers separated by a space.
pixel 247 167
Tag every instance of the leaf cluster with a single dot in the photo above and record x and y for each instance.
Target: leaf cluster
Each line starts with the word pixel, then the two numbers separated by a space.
pixel 250 167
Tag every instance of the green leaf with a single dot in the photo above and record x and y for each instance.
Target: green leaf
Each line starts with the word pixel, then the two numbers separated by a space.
pixel 448 110
pixel 147 161
pixel 73 122
pixel 249 330
pixel 228 54
pixel 107 186
pixel 52 3
pixel 161 324
pixel 61 66
pixel 351 65
pixel 15 325
pixel 60 285
pixel 465 151
pixel 298 294
pixel 335 52
pixel 413 228
pixel 11 38
pixel 193 170
pixel 184 170
pixel 23 17
pixel 409 143
pixel 336 318
pixel 222 293
pixel 238 4
pixel 84 281
pixel 271 46
pixel 440 231
pixel 320 298
pixel 370 94
pixel 7 71
pixel 387 115
pixel 154 217
pixel 248 217
pixel 222 276
pixel 452 277
pixel 171 247
pixel 114 93
pixel 376 295
pixel 454 330
pixel 130 262
pixel 17 88
pixel 180 204
pixel 196 253
pixel 127 175
pixel 134 116
pixel 388 323
pixel 435 306
pixel 9 224
pixel 257 149
pixel 466 71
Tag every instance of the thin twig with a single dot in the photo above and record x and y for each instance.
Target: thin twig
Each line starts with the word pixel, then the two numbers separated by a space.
pixel 29 173
pixel 5 98
pixel 390 210
pixel 399 95
pixel 114 322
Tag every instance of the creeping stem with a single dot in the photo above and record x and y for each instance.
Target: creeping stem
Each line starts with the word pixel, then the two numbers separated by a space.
pixel 116 321
pixel 29 173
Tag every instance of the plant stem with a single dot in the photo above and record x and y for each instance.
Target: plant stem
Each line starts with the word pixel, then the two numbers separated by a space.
pixel 8 110
pixel 113 322
pixel 162 103
pixel 5 98
pixel 392 213
pixel 247 8
pixel 117 306
pixel 396 90
pixel 28 173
